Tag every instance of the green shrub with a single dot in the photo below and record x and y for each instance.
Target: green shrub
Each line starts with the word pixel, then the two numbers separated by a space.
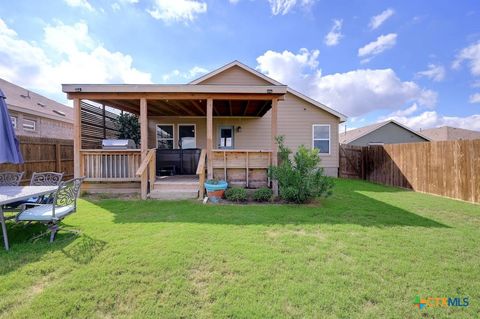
pixel 301 179
pixel 236 194
pixel 263 194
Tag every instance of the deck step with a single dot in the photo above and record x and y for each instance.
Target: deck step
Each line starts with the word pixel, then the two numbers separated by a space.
pixel 173 194
pixel 176 186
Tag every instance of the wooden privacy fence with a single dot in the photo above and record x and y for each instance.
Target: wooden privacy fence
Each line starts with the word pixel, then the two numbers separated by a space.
pixel 43 155
pixel 446 168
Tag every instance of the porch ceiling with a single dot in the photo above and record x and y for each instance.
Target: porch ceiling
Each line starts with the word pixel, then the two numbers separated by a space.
pixel 247 108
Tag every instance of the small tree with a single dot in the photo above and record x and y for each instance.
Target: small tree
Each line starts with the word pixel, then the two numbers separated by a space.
pixel 128 127
pixel 301 179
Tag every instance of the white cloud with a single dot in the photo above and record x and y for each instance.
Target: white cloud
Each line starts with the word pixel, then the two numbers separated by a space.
pixel 289 68
pixel 178 75
pixel 79 59
pixel 476 84
pixel 383 42
pixel 80 4
pixel 378 20
pixel 474 98
pixel 472 55
pixel 434 72
pixel 285 6
pixel 353 93
pixel 408 111
pixel 177 10
pixel 333 37
pixel 115 6
pixel 431 119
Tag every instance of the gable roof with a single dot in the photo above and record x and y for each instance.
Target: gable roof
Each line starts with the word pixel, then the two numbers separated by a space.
pixel 353 135
pixel 230 65
pixel 22 100
pixel 248 69
pixel 449 133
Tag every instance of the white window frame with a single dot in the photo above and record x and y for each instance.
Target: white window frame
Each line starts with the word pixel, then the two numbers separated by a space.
pixel 173 132
pixel 14 121
pixel 322 139
pixel 186 124
pixel 32 127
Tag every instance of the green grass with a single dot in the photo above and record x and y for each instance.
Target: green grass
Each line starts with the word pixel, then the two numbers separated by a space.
pixel 365 252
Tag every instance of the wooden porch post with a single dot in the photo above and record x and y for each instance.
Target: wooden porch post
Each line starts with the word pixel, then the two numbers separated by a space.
pixel 143 144
pixel 209 137
pixel 274 144
pixel 77 137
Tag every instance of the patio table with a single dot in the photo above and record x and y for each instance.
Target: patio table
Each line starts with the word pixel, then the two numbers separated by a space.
pixel 12 194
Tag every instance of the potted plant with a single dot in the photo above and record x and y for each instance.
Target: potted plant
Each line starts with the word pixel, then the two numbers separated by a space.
pixel 215 189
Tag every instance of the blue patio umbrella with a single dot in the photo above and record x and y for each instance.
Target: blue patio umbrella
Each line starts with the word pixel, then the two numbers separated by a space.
pixel 9 147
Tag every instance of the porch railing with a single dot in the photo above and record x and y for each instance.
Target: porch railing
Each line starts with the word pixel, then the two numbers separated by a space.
pixel 147 173
pixel 110 165
pixel 201 173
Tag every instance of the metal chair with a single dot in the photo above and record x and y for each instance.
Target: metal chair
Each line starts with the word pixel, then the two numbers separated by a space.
pixel 64 204
pixel 38 179
pixel 10 178
pixel 46 179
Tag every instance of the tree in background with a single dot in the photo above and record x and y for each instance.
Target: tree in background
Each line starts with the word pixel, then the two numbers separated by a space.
pixel 128 127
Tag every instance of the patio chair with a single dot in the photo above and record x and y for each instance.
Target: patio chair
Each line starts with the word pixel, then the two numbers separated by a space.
pixel 64 203
pixel 38 179
pixel 10 178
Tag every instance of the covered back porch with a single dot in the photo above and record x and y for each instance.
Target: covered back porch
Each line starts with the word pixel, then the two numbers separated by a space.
pixel 210 106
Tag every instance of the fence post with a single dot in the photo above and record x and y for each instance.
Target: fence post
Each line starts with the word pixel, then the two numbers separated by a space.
pixel 58 158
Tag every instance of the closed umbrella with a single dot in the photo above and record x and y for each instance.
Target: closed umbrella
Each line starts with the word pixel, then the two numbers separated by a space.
pixel 9 147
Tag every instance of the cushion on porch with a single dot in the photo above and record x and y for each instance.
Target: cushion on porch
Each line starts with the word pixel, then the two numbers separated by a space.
pixel 44 213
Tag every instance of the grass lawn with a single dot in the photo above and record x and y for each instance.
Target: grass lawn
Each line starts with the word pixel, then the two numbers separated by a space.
pixel 365 252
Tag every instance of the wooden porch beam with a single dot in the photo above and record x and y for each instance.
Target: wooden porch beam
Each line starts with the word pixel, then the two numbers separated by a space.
pixel 179 104
pixel 77 137
pixel 143 144
pixel 274 133
pixel 198 107
pixel 172 96
pixel 209 137
pixel 164 107
pixel 246 108
pixel 260 111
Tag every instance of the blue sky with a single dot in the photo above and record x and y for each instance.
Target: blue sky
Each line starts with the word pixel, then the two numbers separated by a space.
pixel 415 61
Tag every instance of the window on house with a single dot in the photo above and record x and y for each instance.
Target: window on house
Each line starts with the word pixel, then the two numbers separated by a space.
pixel 186 136
pixel 165 136
pixel 29 125
pixel 321 138
pixel 14 121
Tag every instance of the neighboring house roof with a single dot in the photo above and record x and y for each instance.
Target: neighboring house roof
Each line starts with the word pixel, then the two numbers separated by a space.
pixel 22 100
pixel 236 63
pixel 353 135
pixel 448 133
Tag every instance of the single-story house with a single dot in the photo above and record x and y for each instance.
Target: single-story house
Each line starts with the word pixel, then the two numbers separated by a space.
pixel 448 133
pixel 35 115
pixel 230 117
pixel 387 132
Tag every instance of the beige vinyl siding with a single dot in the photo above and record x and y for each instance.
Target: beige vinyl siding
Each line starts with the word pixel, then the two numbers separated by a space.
pixel 235 76
pixel 295 120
